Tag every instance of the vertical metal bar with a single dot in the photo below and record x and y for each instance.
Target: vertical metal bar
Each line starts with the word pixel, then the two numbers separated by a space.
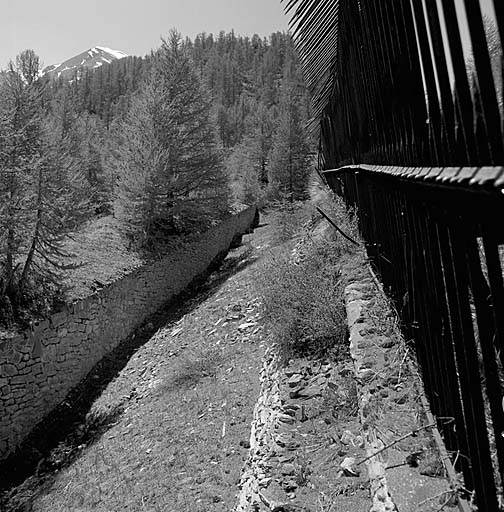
pixel 371 23
pixel 358 39
pixel 407 310
pixel 485 80
pixel 430 83
pixel 490 243
pixel 480 130
pixel 486 331
pixel 397 214
pixel 462 88
pixel 424 342
pixel 438 324
pixel 401 274
pixel 414 106
pixel 442 73
pixel 469 378
pixel 398 71
pixel 450 335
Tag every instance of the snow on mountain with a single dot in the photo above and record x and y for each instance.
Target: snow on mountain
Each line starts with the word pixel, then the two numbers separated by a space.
pixel 116 53
pixel 92 58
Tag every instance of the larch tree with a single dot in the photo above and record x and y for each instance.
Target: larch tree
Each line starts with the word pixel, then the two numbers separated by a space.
pixel 248 163
pixel 19 149
pixel 60 200
pixel 290 159
pixel 169 166
pixel 40 200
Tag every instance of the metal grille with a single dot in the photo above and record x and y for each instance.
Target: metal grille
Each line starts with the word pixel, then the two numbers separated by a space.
pixel 408 100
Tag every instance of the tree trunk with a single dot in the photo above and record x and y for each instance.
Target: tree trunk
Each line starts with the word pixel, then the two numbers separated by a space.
pixel 8 284
pixel 35 239
pixel 9 264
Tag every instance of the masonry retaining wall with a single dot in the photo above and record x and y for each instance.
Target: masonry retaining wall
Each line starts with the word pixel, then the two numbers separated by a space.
pixel 40 366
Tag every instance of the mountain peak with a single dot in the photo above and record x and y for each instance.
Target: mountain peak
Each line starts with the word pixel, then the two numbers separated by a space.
pixel 92 58
pixel 116 53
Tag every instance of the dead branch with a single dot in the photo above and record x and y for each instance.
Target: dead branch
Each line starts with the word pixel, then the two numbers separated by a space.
pixel 398 440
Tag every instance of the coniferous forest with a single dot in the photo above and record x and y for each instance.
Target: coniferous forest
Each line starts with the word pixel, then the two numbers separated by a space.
pixel 166 145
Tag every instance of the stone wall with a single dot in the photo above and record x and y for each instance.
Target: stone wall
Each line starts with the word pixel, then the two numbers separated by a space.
pixel 40 366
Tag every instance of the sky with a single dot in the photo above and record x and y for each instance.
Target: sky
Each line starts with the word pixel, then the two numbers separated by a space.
pixel 59 29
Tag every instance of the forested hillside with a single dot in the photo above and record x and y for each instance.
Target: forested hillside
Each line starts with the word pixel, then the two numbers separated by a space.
pixel 166 144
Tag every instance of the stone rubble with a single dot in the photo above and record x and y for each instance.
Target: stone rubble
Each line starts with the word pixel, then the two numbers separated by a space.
pixel 389 407
pixel 288 397
pixel 255 476
pixel 271 476
pixel 366 370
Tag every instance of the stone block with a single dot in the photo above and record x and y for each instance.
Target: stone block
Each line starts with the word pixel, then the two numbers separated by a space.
pixel 22 344
pixel 7 370
pixel 18 379
pixel 50 340
pixel 72 327
pixel 49 369
pixel 36 369
pixel 15 357
pixel 5 356
pixel 59 318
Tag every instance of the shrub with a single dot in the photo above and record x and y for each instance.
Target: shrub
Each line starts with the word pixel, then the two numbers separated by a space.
pixel 289 218
pixel 302 289
pixel 195 367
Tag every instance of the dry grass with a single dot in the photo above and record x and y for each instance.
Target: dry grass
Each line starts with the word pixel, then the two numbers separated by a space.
pixel 194 367
pixel 101 255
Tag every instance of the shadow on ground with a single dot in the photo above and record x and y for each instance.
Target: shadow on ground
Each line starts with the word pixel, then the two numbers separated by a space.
pixel 57 441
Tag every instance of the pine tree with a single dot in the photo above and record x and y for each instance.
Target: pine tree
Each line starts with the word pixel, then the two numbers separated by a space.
pixel 169 167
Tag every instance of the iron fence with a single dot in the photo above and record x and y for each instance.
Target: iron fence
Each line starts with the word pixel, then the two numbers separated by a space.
pixel 432 236
pixel 408 100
